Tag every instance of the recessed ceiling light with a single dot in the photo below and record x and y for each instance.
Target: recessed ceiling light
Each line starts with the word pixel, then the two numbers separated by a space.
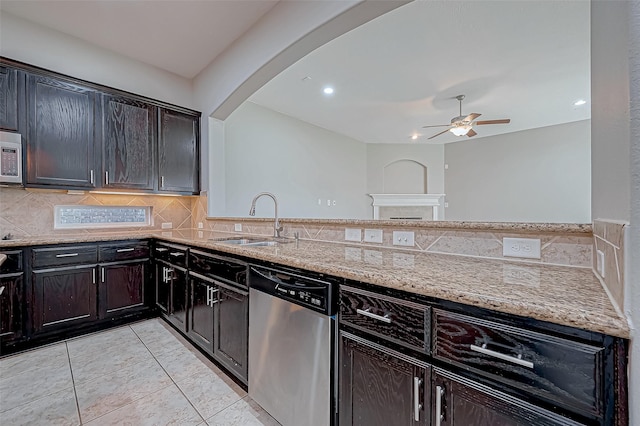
pixel 579 102
pixel 328 90
pixel 414 137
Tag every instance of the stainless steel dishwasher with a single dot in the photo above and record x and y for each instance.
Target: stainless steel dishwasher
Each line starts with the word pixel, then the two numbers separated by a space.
pixel 292 351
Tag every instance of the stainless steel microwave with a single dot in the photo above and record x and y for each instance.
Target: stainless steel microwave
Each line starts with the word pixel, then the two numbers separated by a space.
pixel 10 157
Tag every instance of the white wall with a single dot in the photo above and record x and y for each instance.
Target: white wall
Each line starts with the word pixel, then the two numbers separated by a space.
pixel 615 144
pixel 34 44
pixel 538 175
pixel 632 296
pixel 610 110
pixel 298 162
pixel 381 155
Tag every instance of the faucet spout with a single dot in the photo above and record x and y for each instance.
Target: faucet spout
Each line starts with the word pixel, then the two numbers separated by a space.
pixel 276 224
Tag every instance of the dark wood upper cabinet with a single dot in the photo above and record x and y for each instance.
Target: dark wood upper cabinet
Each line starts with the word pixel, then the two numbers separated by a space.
pixel 8 99
pixel 128 141
pixel 61 133
pixel 178 152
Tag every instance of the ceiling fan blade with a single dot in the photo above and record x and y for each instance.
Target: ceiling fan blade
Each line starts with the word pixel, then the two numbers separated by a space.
pixel 437 125
pixel 438 134
pixel 471 133
pixel 471 116
pixel 502 121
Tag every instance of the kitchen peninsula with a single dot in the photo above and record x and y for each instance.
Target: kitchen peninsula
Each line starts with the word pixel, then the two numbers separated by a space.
pixel 539 309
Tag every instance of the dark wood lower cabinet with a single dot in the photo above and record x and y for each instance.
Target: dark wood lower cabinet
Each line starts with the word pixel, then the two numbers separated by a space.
pixel 64 296
pixel 381 387
pixel 232 330
pixel 201 312
pixel 462 402
pixel 122 287
pixel 11 306
pixel 171 293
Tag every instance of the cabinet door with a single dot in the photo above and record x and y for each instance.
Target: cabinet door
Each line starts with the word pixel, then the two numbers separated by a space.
pixel 8 99
pixel 163 288
pixel 61 134
pixel 121 287
pixel 178 152
pixel 128 144
pixel 380 387
pixel 202 299
pixel 63 297
pixel 11 305
pixel 178 310
pixel 232 330
pixel 462 402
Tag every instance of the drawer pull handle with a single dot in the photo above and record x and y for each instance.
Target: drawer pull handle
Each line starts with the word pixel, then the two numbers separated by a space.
pixel 439 413
pixel 125 250
pixel 67 255
pixel 516 360
pixel 366 313
pixel 161 249
pixel 176 254
pixel 417 382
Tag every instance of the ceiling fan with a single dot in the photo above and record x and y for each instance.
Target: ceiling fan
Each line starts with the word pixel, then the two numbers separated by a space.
pixel 463 125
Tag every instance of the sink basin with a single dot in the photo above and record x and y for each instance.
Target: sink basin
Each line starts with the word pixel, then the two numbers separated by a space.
pixel 250 241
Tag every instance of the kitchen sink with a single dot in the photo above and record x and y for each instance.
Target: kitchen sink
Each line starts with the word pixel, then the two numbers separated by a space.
pixel 251 241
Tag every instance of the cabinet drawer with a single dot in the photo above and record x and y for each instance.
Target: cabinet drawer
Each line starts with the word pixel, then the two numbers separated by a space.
pixel 60 256
pixel 218 267
pixel 174 254
pixel 561 371
pixel 399 321
pixel 13 262
pixel 123 251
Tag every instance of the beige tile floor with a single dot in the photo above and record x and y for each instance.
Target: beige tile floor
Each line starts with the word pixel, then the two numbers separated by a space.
pixel 141 374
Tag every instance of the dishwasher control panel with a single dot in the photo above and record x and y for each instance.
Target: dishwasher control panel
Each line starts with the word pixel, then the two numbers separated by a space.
pixel 312 293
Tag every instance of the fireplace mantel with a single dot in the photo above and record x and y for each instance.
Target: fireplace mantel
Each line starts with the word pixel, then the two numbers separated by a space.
pixel 435 201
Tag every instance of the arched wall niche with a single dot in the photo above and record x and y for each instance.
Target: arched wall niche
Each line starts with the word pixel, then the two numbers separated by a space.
pixel 405 177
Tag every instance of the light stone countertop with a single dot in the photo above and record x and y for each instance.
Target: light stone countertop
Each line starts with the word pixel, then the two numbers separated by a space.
pixel 562 295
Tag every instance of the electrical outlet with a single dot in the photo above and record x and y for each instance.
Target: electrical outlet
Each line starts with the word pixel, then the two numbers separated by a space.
pixel 373 235
pixel 404 238
pixel 237 227
pixel 600 262
pixel 352 234
pixel 167 225
pixel 528 248
pixel 200 225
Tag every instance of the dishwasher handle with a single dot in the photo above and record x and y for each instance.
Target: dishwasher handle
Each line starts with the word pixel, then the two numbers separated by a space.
pixel 281 283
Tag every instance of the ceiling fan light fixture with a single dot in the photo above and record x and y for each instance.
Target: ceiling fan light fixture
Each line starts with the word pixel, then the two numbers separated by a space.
pixel 460 130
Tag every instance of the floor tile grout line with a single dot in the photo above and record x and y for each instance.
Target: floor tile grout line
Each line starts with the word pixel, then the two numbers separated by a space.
pixel 73 382
pixel 171 378
pixel 144 396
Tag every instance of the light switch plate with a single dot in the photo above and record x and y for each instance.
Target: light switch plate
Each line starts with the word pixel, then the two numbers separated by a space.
pixel 167 225
pixel 373 235
pixel 528 248
pixel 353 234
pixel 404 238
pixel 237 227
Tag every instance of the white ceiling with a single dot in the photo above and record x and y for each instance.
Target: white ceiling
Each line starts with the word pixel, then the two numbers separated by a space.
pixel 182 37
pixel 524 60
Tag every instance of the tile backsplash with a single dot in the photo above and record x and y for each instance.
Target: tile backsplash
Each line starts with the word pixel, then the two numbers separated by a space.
pixel 608 238
pixel 30 213
pixel 558 248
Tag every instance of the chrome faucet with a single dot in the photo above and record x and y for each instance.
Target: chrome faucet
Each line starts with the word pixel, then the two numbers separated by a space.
pixel 252 212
